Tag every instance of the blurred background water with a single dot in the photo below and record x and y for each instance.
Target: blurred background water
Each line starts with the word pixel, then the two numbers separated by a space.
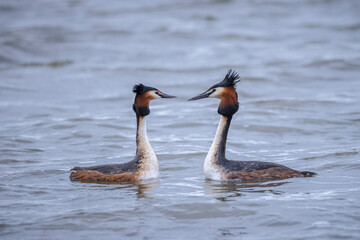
pixel 66 73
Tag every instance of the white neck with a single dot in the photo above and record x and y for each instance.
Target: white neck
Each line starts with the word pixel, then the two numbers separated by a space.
pixel 148 162
pixel 211 169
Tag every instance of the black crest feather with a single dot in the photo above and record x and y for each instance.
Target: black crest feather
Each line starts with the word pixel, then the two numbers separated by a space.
pixel 140 88
pixel 231 79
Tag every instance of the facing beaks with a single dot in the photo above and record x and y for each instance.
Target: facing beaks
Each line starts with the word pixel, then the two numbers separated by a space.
pixel 164 95
pixel 200 96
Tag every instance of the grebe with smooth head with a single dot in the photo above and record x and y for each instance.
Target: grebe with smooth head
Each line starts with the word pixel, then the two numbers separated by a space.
pixel 216 166
pixel 145 164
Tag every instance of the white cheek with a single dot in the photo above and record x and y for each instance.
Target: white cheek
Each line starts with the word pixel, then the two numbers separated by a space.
pixel 217 93
pixel 154 95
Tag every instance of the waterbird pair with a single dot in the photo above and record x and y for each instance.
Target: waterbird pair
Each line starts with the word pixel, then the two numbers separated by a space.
pixel 216 166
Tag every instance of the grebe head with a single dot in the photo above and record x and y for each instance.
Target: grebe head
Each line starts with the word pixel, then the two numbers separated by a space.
pixel 225 91
pixel 144 94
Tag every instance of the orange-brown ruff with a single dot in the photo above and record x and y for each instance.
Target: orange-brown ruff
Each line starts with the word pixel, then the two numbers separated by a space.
pixel 144 165
pixel 216 166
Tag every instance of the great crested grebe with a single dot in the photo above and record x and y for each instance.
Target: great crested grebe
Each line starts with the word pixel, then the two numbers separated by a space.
pixel 145 164
pixel 216 166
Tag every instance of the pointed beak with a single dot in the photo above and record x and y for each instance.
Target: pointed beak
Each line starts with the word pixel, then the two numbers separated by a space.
pixel 200 96
pixel 164 95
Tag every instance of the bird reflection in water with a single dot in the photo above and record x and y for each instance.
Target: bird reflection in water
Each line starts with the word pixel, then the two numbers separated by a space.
pixel 143 189
pixel 233 189
pixel 146 189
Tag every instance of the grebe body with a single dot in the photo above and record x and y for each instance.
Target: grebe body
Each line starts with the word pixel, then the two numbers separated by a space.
pixel 216 166
pixel 145 164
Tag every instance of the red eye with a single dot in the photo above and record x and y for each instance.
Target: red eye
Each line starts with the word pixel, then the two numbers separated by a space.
pixel 214 90
pixel 157 92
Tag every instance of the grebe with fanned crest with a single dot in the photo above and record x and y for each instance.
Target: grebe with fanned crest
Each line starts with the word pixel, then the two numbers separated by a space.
pixel 216 166
pixel 145 164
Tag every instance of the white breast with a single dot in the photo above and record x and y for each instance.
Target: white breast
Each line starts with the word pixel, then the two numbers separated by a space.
pixel 149 166
pixel 211 169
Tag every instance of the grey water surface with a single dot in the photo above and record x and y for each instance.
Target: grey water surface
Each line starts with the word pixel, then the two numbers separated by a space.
pixel 66 73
